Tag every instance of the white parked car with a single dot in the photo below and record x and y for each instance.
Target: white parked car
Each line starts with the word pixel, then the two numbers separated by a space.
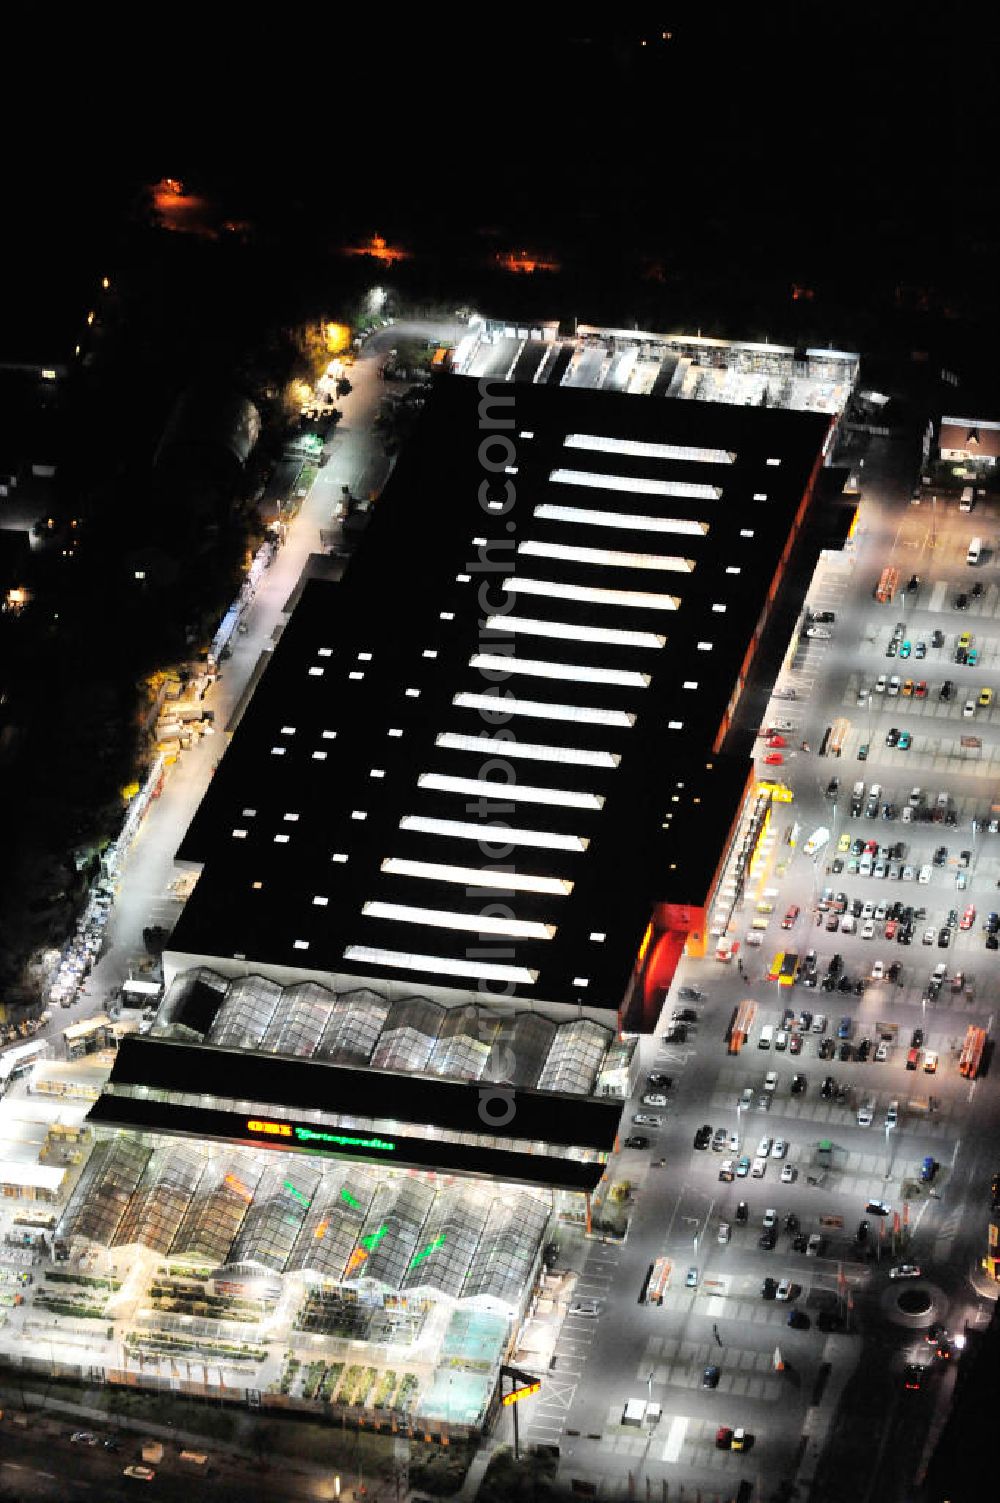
pixel 763 1148
pixel 734 1143
pixel 866 1114
pixel 779 1148
pixel 770 1217
pixel 788 1173
pixel 878 970
pixel 589 1307
pixel 784 1289
pixel 867 929
pixel 654 1099
pixel 771 1080
pixel 882 1052
pixel 904 1271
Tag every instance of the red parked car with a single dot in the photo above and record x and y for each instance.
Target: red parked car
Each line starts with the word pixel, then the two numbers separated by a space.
pixel 774 759
pixel 776 740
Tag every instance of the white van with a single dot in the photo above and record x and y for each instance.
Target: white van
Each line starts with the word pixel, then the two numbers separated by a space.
pixel 967 500
pixel 766 1036
pixel 817 840
pixel 759 1168
pixel 925 874
pixel 975 549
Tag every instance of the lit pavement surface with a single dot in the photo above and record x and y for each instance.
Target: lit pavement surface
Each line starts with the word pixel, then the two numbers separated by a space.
pixel 812 1423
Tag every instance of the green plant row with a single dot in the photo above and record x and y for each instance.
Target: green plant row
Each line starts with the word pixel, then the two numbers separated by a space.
pixel 63 1307
pixel 162 1342
pixel 72 1278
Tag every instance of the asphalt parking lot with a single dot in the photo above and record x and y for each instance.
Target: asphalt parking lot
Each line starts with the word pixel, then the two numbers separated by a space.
pixel 856 1130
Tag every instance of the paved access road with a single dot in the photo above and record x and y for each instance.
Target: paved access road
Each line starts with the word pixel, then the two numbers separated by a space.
pixel 146 891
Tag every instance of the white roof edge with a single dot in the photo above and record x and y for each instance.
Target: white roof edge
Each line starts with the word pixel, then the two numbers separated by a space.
pixel 961 422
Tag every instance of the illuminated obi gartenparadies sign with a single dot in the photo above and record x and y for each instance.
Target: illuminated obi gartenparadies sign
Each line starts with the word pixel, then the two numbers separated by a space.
pixel 300 1134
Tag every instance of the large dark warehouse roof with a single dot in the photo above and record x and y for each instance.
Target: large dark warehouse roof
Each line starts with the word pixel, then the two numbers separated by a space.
pixel 605 604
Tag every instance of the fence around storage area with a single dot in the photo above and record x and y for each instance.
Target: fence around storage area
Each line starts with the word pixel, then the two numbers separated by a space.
pixel 380 1422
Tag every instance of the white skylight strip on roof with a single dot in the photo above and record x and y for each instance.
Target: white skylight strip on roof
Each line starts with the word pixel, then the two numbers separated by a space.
pixel 475 877
pixel 623 521
pixel 607 558
pixel 542 710
pixel 530 626
pixel 473 923
pixel 572 755
pixel 566 797
pixel 572 672
pixel 444 965
pixel 549 840
pixel 640 485
pixel 640 450
pixel 638 599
